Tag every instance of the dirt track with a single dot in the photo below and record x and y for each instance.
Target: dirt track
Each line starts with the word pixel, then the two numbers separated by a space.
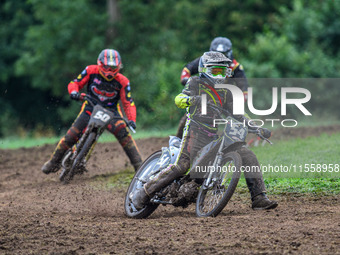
pixel 38 215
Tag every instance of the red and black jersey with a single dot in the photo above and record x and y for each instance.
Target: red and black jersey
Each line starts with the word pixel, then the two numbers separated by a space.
pixel 106 92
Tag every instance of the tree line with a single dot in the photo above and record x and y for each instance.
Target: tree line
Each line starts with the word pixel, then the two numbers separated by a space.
pixel 46 44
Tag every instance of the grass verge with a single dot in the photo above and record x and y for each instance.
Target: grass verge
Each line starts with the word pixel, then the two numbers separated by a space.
pixel 27 142
pixel 322 151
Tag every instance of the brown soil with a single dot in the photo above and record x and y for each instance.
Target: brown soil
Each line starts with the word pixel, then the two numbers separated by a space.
pixel 39 215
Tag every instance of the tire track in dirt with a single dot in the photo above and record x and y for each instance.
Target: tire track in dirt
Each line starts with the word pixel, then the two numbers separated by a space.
pixel 39 215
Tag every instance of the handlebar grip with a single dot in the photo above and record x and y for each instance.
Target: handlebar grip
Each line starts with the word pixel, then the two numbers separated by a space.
pixel 132 129
pixel 263 138
pixel 82 96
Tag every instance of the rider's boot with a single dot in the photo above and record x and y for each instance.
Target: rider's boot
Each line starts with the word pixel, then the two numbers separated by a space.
pixel 140 196
pixel 255 183
pixel 53 165
pixel 261 202
pixel 258 196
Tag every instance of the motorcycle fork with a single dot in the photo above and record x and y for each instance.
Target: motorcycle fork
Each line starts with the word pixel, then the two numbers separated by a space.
pixel 93 145
pixel 72 152
pixel 217 161
pixel 77 147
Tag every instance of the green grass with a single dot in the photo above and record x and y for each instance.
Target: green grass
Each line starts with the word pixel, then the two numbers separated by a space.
pixel 119 180
pixel 278 186
pixel 323 150
pixel 284 186
pixel 298 155
pixel 305 121
pixel 27 142
pixel 140 134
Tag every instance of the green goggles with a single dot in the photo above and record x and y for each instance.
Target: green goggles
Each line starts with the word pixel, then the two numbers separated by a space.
pixel 217 71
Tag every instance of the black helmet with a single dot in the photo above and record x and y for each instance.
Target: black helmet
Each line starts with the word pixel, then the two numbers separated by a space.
pixel 214 66
pixel 222 44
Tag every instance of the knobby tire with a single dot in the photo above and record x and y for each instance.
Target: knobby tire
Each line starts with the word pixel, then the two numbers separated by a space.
pixel 231 156
pixel 149 208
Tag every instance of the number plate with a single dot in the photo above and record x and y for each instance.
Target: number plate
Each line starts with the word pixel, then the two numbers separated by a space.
pixel 235 130
pixel 100 115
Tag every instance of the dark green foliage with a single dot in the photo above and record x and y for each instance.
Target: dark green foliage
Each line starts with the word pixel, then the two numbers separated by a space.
pixel 62 43
pixel 45 44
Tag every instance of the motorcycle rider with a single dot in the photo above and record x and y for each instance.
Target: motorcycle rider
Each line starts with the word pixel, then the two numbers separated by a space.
pixel 199 131
pixel 223 45
pixel 108 86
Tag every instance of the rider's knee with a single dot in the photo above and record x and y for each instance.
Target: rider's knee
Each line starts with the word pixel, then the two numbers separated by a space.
pixel 248 157
pixel 72 136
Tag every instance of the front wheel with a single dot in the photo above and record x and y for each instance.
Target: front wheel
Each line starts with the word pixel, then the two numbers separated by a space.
pixel 67 174
pixel 214 196
pixel 146 171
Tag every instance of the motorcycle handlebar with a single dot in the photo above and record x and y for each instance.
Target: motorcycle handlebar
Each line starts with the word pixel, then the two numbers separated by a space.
pixel 258 133
pixel 84 96
pixel 250 130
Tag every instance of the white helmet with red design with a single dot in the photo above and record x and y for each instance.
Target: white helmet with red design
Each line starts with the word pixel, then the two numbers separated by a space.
pixel 109 63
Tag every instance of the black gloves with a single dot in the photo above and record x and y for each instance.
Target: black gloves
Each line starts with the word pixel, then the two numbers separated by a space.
pixel 266 133
pixel 132 124
pixel 75 95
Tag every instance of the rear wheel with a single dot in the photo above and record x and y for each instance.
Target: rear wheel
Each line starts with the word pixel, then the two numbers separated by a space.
pixel 214 196
pixel 147 170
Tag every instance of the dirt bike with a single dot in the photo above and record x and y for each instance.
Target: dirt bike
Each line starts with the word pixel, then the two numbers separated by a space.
pixel 212 192
pixel 75 159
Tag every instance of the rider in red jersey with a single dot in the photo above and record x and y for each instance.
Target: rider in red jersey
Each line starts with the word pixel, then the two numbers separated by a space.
pixel 108 86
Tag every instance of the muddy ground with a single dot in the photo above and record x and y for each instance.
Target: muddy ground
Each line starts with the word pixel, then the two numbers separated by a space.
pixel 39 215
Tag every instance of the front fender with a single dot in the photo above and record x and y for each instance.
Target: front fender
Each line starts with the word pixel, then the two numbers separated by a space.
pixel 234 147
